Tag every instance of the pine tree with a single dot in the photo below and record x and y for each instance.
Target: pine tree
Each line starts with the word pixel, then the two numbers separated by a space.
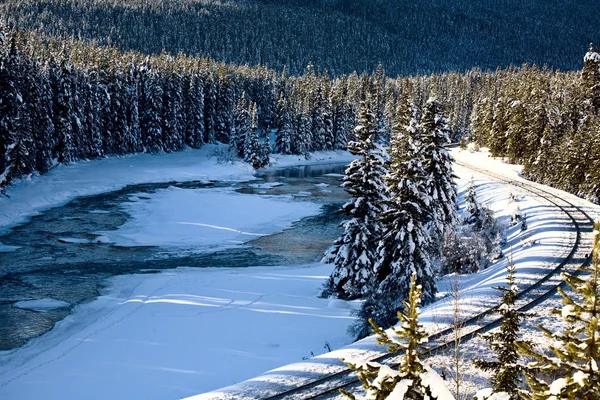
pixel 576 350
pixel 151 118
pixel 210 104
pixel 482 119
pixel 63 111
pixel 284 134
pixel 194 104
pixel 506 372
pixel 497 142
pixel 405 242
pixel 241 127
pixel 437 163
pixel 413 380
pixel 11 103
pixel 252 151
pixel 479 220
pixel 354 252
pixel 590 77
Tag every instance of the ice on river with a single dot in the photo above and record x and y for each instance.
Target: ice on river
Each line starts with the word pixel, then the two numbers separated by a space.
pixel 205 219
pixel 4 248
pixel 41 304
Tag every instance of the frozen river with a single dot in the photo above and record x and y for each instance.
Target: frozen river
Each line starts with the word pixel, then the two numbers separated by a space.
pixel 58 259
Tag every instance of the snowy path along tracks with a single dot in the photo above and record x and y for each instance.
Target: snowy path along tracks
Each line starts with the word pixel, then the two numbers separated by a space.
pixel 328 386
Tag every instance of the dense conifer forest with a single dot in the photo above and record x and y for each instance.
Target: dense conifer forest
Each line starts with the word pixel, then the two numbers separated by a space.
pixel 342 36
pixel 394 84
pixel 64 100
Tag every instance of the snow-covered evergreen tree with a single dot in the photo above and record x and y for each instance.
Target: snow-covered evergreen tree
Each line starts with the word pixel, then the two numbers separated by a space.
pixel 252 150
pixel 10 105
pixel 590 77
pixel 437 163
pixel 506 372
pixel 285 132
pixel 241 127
pixel 151 125
pixel 405 242
pixel 195 111
pixel 576 358
pixel 354 252
pixel 413 379
pixel 478 219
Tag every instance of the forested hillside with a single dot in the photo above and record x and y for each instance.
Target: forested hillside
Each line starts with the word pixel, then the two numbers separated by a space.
pixel 64 100
pixel 341 36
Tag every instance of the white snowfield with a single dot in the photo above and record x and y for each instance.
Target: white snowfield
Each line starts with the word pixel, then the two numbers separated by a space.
pixel 188 331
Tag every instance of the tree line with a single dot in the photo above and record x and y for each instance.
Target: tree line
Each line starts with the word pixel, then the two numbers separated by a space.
pixel 65 100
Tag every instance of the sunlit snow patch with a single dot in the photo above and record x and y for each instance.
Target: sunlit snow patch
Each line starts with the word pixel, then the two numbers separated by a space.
pixel 41 304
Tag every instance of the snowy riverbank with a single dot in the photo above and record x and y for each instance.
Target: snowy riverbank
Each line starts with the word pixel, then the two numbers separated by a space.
pixel 188 331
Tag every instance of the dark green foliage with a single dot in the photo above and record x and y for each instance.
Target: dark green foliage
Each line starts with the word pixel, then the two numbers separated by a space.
pixel 341 36
pixel 380 381
pixel 506 372
pixel 354 253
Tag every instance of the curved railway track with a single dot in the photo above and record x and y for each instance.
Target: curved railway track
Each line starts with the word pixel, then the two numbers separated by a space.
pixel 328 386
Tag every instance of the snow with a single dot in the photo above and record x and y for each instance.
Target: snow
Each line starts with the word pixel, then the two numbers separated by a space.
pixel 267 185
pixel 488 394
pixel 206 219
pixel 4 248
pixel 102 240
pixel 178 333
pixel 73 240
pixel 189 331
pixel 557 386
pixel 41 304
pixel 436 384
pixel 29 197
pixel 339 304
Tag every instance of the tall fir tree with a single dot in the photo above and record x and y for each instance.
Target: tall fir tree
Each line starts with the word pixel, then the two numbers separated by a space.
pixel 437 163
pixel 252 150
pixel 590 77
pixel 354 252
pixel 11 103
pixel 285 132
pixel 405 242
pixel 506 372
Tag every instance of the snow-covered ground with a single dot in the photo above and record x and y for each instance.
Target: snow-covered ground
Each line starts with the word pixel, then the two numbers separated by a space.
pixel 30 196
pixel 208 219
pixel 187 331
pixel 550 228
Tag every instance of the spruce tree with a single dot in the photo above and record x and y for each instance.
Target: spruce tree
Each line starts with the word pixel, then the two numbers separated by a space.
pixel 405 241
pixel 590 77
pixel 354 252
pixel 480 221
pixel 437 163
pixel 241 127
pixel 576 350
pixel 413 379
pixel 284 134
pixel 252 150
pixel 11 103
pixel 506 372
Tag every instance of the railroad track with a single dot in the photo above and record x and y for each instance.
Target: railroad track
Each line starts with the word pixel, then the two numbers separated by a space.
pixel 328 386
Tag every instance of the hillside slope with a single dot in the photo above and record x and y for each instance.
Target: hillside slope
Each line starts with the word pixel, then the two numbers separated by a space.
pixel 341 36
